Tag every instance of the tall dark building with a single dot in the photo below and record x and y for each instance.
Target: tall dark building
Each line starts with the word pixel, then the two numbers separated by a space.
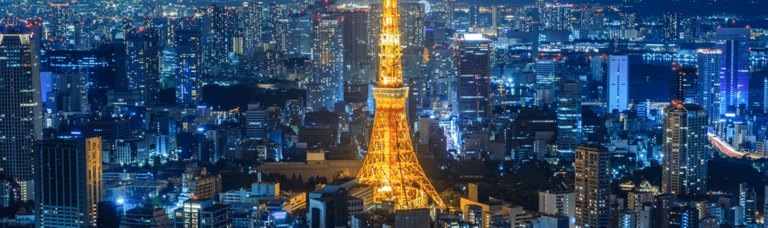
pixel 69 178
pixel 684 169
pixel 143 67
pixel 473 86
pixel 592 186
pixel 20 105
pixel 189 57
pixel 354 24
pixel 734 68
pixel 748 201
pixel 569 117
pixel 685 85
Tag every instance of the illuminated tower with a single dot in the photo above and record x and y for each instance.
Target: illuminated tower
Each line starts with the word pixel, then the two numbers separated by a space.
pixel 684 169
pixel 391 167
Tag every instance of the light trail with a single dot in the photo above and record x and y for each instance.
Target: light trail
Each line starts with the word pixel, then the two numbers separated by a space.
pixel 728 150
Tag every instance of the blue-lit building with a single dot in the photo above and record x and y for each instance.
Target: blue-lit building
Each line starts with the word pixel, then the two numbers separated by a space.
pixel 708 66
pixel 734 68
pixel 618 83
pixel 189 57
pixel 569 117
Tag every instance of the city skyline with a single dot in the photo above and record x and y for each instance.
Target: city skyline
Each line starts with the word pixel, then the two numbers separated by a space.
pixel 386 113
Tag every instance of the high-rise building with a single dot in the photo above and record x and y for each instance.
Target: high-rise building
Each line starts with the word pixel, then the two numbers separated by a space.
pixel 618 83
pixel 708 66
pixel 765 95
pixel 69 178
pixel 222 31
pixel 684 169
pixel 189 57
pixel 355 28
pixel 328 60
pixel 252 16
pixel 685 85
pixel 734 68
pixel 671 23
pixel 143 67
pixel 569 117
pixel 473 86
pixel 765 202
pixel 20 107
pixel 556 16
pixel 546 72
pixel 592 186
pixel 256 122
pixel 748 202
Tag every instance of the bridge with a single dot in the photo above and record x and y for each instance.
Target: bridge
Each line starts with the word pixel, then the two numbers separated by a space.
pixel 729 150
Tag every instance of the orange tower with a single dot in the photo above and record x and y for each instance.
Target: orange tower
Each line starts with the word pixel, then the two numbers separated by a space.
pixel 391 167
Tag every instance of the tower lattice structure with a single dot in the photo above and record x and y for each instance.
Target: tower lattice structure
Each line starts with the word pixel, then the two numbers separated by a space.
pixel 391 167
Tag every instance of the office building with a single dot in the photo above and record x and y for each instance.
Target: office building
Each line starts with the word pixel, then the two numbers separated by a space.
pixel 618 83
pixel 547 73
pixel 684 169
pixel 685 85
pixel 748 203
pixel 569 117
pixel 143 67
pixel 708 66
pixel 355 37
pixel 328 60
pixel 473 86
pixel 734 65
pixel 592 186
pixel 69 178
pixel 21 106
pixel 189 57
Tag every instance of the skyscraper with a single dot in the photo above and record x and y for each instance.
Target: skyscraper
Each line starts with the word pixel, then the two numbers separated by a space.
pixel 69 178
pixel 618 82
pixel 569 117
pixel 221 34
pixel 685 85
pixel 143 67
pixel 20 107
pixel 474 77
pixel 684 170
pixel 748 201
pixel 327 87
pixel 355 27
pixel 708 64
pixel 592 186
pixel 734 67
pixel 189 57
pixel 671 23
